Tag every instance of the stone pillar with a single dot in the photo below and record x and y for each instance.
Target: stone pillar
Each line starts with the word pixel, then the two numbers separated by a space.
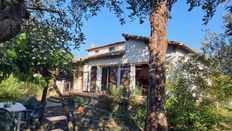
pixel 132 78
pixel 75 81
pixel 89 80
pixel 78 81
pixel 119 76
pixel 86 76
pixel 99 79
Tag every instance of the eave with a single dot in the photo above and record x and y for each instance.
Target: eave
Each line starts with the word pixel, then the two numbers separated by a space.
pixel 107 55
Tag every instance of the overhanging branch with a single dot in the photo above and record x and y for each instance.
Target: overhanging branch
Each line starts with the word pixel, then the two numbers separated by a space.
pixel 43 9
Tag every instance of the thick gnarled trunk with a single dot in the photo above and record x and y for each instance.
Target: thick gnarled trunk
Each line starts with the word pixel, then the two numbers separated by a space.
pixel 12 14
pixel 156 117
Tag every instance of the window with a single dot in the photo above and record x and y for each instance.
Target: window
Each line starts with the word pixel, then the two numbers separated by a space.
pixel 96 51
pixel 111 49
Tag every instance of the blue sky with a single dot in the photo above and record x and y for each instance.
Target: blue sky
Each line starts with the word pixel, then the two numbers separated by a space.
pixel 184 27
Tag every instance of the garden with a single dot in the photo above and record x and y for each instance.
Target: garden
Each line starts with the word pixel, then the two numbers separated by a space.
pixel 37 40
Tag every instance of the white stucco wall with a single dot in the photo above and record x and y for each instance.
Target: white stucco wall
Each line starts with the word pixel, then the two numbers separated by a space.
pixel 104 61
pixel 77 81
pixel 136 52
pixel 179 55
pixel 104 50
pixel 60 85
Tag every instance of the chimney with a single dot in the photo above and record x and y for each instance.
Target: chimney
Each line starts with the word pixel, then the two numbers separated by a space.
pixel 92 45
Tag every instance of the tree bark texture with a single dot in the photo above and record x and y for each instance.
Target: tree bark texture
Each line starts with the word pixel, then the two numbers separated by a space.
pixel 11 18
pixel 156 112
pixel 44 95
pixel 43 101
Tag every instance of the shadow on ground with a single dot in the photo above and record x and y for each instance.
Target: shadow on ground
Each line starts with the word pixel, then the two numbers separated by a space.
pixel 106 113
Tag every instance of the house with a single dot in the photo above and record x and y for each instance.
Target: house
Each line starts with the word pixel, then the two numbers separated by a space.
pixel 120 64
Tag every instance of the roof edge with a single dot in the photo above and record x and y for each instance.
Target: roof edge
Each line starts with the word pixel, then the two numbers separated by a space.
pixel 116 43
pixel 136 37
pixel 170 42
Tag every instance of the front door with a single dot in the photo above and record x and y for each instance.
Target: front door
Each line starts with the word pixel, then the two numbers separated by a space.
pixel 105 78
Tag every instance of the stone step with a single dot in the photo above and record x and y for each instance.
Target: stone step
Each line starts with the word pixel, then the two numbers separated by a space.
pixel 56 99
pixel 56 118
pixel 57 130
pixel 52 104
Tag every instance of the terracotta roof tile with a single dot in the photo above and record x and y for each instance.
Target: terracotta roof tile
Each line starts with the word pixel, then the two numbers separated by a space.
pixel 135 37
pixel 146 40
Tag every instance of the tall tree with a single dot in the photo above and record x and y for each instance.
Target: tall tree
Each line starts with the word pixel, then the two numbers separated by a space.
pixel 60 14
pixel 157 11
pixel 211 73
pixel 26 59
pixel 12 14
pixel 50 27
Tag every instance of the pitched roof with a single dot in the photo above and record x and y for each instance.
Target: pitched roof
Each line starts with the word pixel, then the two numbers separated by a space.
pixel 146 40
pixel 116 43
pixel 135 37
pixel 109 54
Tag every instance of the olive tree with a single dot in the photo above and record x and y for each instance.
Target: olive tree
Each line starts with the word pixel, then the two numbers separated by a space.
pixel 58 14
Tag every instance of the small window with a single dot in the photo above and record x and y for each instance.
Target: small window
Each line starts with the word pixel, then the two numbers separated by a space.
pixel 111 49
pixel 96 51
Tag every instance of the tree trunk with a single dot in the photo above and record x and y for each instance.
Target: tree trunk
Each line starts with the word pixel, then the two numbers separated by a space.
pixel 156 112
pixel 69 119
pixel 44 95
pixel 11 17
pixel 43 101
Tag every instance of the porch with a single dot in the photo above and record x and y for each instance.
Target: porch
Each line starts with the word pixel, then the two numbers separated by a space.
pixel 99 79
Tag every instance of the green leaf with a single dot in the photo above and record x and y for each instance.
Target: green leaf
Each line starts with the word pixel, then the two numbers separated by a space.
pixel 22 40
pixel 11 53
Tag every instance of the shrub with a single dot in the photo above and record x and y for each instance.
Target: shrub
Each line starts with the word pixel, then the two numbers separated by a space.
pixel 113 91
pixel 112 103
pixel 139 114
pixel 124 93
pixel 13 89
pixel 187 111
pixel 138 90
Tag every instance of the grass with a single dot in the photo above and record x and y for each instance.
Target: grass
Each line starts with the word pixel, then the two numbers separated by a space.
pixel 226 124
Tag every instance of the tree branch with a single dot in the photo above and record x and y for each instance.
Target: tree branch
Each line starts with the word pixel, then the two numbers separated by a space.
pixel 43 9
